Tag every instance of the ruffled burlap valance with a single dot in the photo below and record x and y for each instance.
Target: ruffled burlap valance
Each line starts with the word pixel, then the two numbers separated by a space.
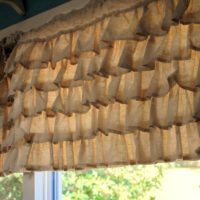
pixel 117 82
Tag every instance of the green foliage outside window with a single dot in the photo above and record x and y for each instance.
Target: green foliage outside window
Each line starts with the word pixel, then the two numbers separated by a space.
pixel 11 187
pixel 121 183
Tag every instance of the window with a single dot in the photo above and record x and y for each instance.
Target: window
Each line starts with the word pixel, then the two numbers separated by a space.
pixel 145 182
pixel 167 181
pixel 42 186
pixel 31 186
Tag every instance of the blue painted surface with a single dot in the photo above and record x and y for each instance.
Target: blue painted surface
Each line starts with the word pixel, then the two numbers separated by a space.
pixel 8 15
pixel 57 186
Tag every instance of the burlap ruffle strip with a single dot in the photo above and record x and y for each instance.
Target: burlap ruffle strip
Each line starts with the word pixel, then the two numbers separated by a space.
pixel 114 83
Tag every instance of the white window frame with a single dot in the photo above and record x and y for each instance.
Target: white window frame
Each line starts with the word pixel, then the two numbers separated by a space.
pixel 42 186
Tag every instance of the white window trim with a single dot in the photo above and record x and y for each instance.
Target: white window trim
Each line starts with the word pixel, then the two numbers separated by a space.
pixel 42 186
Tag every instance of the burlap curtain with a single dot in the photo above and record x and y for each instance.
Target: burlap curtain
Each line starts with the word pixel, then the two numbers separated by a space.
pixel 116 82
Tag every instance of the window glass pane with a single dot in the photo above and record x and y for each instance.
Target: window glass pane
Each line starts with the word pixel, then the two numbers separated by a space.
pixel 119 183
pixel 11 187
pixel 180 180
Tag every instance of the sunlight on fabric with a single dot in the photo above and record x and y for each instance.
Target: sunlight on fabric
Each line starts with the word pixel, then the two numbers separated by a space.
pixel 114 83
